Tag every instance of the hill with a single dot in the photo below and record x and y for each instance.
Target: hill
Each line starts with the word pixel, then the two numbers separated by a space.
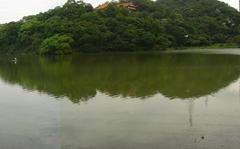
pixel 153 25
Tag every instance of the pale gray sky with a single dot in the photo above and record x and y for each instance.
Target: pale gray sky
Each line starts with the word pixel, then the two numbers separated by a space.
pixel 13 10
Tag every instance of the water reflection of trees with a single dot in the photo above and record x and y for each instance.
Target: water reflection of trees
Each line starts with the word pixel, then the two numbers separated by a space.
pixel 80 77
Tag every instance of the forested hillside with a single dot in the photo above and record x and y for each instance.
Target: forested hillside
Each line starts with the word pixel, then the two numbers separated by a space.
pixel 154 25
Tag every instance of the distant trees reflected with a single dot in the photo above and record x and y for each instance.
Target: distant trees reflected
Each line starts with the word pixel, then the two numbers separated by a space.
pixel 184 76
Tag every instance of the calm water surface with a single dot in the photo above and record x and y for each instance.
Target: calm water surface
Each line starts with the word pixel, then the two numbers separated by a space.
pixel 121 101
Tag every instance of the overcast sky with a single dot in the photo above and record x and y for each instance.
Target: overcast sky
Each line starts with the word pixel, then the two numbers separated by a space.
pixel 13 10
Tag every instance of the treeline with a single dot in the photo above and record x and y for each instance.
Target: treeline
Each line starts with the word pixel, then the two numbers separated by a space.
pixel 155 25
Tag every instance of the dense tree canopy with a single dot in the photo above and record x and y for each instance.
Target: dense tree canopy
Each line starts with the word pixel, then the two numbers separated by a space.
pixel 155 25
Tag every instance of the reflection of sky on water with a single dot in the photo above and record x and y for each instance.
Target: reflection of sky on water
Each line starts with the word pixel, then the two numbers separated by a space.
pixel 41 119
pixel 28 119
pixel 183 122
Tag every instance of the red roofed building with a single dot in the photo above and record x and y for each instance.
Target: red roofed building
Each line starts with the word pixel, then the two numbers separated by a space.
pixel 127 4
pixel 103 6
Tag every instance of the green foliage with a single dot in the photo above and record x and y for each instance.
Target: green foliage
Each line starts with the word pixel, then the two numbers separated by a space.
pixel 56 45
pixel 236 39
pixel 157 25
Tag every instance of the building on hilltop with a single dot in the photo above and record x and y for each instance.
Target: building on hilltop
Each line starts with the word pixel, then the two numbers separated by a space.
pixel 103 6
pixel 129 5
pixel 124 4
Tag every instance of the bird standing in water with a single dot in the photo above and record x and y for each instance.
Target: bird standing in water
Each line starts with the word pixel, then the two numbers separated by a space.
pixel 15 60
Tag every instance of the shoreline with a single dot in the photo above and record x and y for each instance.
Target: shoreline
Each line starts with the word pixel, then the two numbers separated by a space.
pixel 216 47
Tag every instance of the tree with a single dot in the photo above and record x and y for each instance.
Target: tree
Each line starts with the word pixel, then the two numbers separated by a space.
pixel 57 45
pixel 159 24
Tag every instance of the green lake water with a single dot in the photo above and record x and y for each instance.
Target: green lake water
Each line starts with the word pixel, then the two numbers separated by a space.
pixel 181 100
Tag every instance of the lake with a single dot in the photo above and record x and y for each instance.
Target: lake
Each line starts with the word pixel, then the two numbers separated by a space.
pixel 181 100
